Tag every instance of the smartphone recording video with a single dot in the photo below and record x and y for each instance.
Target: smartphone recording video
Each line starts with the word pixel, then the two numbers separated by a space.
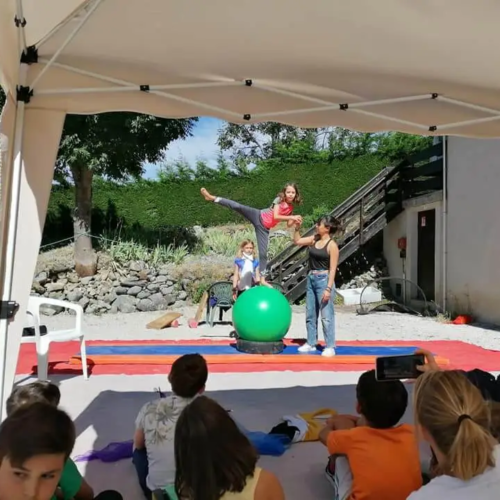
pixel 398 367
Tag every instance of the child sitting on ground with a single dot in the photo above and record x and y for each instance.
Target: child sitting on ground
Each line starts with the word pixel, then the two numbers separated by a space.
pixel 35 443
pixel 71 485
pixel 371 456
pixel 154 457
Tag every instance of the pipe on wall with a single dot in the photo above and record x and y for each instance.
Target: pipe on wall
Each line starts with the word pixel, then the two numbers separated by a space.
pixel 444 224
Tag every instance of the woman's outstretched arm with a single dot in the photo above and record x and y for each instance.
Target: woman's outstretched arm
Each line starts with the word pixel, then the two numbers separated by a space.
pixel 305 241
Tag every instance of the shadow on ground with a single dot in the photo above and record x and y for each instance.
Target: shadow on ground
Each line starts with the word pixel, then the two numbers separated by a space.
pixel 103 416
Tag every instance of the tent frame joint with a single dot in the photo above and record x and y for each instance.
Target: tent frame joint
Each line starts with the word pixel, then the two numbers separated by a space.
pixel 8 309
pixel 248 83
pixel 144 88
pixel 20 22
pixel 247 117
pixel 30 55
pixel 24 94
pixel 344 107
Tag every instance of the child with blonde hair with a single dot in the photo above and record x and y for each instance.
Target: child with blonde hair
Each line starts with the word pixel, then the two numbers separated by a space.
pixel 246 268
pixel 453 417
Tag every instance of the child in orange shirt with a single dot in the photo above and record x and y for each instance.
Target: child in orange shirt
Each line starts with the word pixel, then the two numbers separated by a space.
pixel 371 456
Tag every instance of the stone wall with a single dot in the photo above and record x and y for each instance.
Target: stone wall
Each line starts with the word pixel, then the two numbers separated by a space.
pixel 139 288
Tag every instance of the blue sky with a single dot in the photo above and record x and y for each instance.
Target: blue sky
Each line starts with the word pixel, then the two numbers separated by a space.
pixel 203 144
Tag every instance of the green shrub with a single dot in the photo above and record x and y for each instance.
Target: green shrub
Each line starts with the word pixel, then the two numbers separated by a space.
pixel 122 252
pixel 226 243
pixel 159 212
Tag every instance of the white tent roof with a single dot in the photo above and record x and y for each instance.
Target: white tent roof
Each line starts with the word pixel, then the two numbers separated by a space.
pixel 428 66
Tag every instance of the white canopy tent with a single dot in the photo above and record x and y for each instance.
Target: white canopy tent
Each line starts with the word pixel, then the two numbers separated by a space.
pixel 425 67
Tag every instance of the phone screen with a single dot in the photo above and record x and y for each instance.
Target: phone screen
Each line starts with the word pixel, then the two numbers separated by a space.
pixel 398 367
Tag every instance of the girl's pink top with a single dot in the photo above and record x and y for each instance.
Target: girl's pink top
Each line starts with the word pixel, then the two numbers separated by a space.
pixel 267 216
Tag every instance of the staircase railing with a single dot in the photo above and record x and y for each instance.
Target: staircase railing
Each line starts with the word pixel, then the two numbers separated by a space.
pixel 364 214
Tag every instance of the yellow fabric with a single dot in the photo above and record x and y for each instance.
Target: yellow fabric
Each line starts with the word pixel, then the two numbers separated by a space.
pixel 314 423
pixel 249 492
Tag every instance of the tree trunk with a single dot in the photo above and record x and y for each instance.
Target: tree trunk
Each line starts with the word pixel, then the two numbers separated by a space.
pixel 85 257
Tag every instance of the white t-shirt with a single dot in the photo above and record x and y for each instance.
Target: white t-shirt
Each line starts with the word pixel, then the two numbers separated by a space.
pixel 158 419
pixel 246 273
pixel 483 487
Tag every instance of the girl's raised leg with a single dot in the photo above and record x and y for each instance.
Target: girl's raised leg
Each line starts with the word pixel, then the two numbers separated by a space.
pixel 253 216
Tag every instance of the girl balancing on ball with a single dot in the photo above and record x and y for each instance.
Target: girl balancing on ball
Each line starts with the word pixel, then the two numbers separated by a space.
pixel 264 220
pixel 323 255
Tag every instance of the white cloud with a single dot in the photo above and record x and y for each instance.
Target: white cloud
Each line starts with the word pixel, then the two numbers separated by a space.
pixel 203 144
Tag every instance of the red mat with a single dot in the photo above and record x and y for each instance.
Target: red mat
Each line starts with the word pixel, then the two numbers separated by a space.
pixel 460 355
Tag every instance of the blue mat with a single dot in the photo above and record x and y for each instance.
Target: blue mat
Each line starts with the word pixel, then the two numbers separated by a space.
pixel 179 350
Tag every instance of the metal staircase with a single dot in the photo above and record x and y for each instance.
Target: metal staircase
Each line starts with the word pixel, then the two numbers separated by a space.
pixel 364 214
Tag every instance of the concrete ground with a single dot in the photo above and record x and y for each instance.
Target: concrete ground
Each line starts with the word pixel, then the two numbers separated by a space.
pixel 349 326
pixel 105 406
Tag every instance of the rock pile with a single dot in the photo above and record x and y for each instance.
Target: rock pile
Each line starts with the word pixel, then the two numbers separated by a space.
pixel 139 289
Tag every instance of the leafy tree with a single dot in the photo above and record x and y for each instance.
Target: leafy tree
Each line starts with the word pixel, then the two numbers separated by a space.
pixel 283 143
pixel 2 98
pixel 255 141
pixel 395 146
pixel 183 171
pixel 115 146
pixel 224 169
pixel 167 173
pixel 203 171
pixel 241 168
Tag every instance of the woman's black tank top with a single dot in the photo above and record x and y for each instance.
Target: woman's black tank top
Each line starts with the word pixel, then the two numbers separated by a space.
pixel 319 259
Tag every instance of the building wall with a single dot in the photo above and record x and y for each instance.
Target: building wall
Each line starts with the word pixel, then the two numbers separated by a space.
pixel 406 225
pixel 473 265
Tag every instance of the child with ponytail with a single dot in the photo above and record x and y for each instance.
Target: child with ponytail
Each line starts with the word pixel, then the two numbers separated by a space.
pixel 453 417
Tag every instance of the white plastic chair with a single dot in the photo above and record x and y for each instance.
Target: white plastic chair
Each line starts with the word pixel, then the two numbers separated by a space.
pixel 43 341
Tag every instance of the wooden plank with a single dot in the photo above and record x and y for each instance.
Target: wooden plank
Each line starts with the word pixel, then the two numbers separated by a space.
pixel 421 186
pixel 433 168
pixel 427 154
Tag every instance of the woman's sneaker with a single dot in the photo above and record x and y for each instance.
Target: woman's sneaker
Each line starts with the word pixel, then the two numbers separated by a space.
pixel 328 352
pixel 307 348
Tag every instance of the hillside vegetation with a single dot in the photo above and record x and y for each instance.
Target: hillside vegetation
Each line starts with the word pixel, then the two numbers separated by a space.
pixel 153 206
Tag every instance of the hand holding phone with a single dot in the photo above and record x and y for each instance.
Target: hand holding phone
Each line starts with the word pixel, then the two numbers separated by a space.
pixel 399 367
pixel 430 363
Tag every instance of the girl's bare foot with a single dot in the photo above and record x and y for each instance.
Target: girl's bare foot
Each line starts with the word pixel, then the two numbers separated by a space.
pixel 263 282
pixel 207 195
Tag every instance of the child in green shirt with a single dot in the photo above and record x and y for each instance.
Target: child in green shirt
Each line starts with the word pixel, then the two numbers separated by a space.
pixel 71 486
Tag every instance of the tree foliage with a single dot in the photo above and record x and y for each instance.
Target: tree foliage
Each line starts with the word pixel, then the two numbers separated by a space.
pixel 272 141
pixel 117 145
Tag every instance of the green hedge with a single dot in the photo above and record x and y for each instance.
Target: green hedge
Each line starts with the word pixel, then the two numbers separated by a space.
pixel 152 205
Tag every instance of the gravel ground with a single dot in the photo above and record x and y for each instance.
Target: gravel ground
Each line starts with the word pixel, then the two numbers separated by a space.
pixel 350 326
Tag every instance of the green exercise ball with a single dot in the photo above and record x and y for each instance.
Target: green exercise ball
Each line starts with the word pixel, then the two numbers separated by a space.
pixel 262 314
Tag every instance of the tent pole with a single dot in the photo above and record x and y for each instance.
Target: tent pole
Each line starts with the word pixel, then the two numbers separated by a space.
pixel 137 88
pixel 66 42
pixel 174 97
pixel 9 218
pixel 444 264
pixel 465 123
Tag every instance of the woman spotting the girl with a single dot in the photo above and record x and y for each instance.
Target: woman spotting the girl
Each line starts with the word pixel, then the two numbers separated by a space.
pixel 264 220
pixel 323 255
